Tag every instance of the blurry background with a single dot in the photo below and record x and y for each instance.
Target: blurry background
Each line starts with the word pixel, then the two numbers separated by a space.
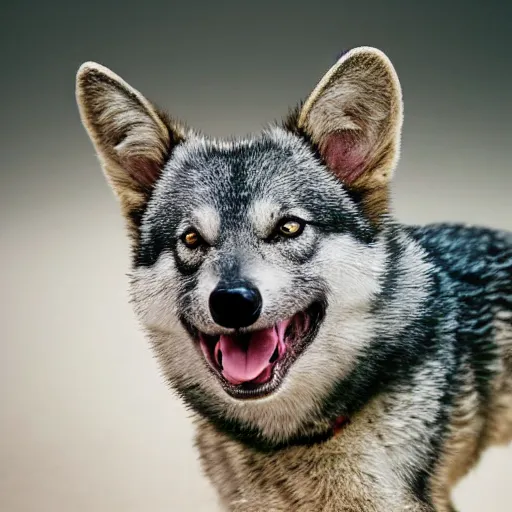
pixel 86 424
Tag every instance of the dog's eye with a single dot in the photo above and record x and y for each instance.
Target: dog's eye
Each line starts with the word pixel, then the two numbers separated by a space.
pixel 291 228
pixel 192 239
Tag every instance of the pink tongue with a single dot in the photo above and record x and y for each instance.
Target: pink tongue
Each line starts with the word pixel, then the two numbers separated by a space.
pixel 245 362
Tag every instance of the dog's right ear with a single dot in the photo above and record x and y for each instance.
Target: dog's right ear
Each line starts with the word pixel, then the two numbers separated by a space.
pixel 133 141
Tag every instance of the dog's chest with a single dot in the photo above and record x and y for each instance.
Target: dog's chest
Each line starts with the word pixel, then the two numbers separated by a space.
pixel 343 473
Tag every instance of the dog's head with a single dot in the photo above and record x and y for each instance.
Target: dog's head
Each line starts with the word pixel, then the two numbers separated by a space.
pixel 255 261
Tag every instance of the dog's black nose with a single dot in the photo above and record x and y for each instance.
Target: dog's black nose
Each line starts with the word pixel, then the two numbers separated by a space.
pixel 235 306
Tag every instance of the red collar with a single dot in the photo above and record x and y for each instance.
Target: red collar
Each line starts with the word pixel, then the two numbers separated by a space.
pixel 339 424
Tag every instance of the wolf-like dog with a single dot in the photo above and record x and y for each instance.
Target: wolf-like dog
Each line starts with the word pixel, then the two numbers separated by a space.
pixel 333 358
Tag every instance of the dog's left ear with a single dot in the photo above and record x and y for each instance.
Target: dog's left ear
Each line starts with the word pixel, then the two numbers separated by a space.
pixel 354 117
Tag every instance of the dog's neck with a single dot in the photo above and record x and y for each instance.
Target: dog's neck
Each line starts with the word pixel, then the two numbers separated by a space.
pixel 336 428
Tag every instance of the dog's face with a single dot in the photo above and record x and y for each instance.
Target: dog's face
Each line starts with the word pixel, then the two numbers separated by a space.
pixel 256 261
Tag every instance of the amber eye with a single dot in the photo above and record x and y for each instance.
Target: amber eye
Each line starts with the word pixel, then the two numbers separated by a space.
pixel 291 228
pixel 192 239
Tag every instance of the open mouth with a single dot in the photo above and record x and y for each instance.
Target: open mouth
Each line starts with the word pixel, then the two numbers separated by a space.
pixel 252 364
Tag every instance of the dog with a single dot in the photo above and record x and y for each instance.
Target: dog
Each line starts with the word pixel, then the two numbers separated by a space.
pixel 333 358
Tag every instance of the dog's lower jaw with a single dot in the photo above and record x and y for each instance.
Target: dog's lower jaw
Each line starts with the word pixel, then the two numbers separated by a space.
pixel 291 337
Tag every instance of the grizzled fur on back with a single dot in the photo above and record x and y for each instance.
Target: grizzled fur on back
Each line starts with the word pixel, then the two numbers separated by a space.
pixel 404 374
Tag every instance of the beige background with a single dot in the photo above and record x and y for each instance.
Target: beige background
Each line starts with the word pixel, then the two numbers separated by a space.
pixel 86 424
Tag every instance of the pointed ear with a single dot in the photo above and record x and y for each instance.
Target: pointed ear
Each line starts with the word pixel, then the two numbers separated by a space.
pixel 133 141
pixel 354 117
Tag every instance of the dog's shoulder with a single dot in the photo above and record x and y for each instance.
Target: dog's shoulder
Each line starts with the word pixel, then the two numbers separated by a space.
pixel 472 254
